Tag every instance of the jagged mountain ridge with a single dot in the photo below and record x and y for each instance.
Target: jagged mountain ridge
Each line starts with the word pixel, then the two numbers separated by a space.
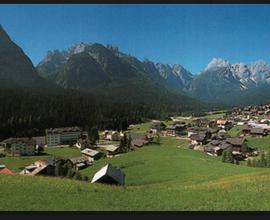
pixel 219 82
pixel 223 82
pixel 174 75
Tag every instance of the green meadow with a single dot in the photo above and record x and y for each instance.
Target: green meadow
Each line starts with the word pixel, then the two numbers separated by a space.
pixel 235 131
pixel 168 176
pixel 158 177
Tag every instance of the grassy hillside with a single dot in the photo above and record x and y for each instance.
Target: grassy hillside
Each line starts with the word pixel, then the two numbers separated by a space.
pixel 260 143
pixel 162 177
pixel 235 131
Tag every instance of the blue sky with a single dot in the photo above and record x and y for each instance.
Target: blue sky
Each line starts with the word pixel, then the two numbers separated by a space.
pixel 190 35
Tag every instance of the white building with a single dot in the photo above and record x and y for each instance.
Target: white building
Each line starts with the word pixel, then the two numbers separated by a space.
pixel 58 136
pixel 109 174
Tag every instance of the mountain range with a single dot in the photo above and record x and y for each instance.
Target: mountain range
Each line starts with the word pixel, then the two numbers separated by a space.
pixel 105 70
pixel 219 82
pixel 95 70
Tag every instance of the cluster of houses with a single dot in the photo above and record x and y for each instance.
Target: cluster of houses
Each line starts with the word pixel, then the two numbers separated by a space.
pixel 210 136
pixel 72 136
pixel 214 142
pixel 249 112
pixel 254 119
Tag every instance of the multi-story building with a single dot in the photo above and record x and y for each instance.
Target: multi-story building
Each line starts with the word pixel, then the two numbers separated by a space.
pixel 19 146
pixel 58 136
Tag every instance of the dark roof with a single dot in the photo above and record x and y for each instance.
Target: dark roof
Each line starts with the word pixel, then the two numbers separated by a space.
pixel 80 159
pixel 213 130
pixel 246 128
pixel 224 145
pixel 18 140
pixel 61 130
pixel 198 137
pixel 257 131
pixel 170 127
pixel 209 148
pixel 215 142
pixel 53 160
pixel 235 141
pixel 139 142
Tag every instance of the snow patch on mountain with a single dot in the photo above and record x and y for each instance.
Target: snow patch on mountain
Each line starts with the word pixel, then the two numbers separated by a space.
pixel 217 62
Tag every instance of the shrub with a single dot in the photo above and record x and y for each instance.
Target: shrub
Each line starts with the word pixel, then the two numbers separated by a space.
pixel 78 176
pixel 85 178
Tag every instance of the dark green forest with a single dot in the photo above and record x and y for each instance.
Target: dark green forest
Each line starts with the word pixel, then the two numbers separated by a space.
pixel 28 112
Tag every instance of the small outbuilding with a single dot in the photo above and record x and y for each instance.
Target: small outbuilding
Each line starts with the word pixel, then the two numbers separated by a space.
pixel 109 175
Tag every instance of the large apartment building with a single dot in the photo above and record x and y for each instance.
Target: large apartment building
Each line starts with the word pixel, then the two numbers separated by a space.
pixel 19 146
pixel 58 136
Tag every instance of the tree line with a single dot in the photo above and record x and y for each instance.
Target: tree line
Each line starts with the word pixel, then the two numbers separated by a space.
pixel 28 112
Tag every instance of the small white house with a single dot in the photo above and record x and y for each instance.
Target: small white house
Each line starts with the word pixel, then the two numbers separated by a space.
pixel 110 175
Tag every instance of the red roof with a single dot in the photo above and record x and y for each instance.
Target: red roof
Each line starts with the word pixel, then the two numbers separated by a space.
pixel 7 171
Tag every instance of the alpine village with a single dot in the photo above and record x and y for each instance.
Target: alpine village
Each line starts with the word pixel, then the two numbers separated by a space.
pixel 125 134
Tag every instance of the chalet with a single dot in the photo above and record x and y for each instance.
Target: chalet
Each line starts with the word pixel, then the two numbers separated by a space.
pixel 265 121
pixel 190 133
pixel 200 138
pixel 222 134
pixel 213 130
pixel 254 111
pixel 177 129
pixel 258 132
pixel 111 135
pixel 211 124
pixel 41 167
pixel 60 136
pixel 246 129
pixel 236 143
pixel 224 124
pixel 260 112
pixel 109 149
pixel 216 147
pixel 158 125
pixel 91 154
pixel 138 143
pixel 200 122
pixel 109 175
pixel 19 146
pixel 267 113
pixel 80 162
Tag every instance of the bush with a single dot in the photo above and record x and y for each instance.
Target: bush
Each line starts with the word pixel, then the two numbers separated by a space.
pixel 70 173
pixel 227 156
pixel 85 178
pixel 78 176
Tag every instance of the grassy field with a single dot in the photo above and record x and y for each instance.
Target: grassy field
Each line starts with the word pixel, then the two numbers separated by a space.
pixel 158 177
pixel 215 115
pixel 235 131
pixel 18 163
pixel 260 143
pixel 141 128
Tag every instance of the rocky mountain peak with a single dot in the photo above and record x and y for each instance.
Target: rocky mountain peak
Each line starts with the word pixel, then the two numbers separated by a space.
pixel 217 62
